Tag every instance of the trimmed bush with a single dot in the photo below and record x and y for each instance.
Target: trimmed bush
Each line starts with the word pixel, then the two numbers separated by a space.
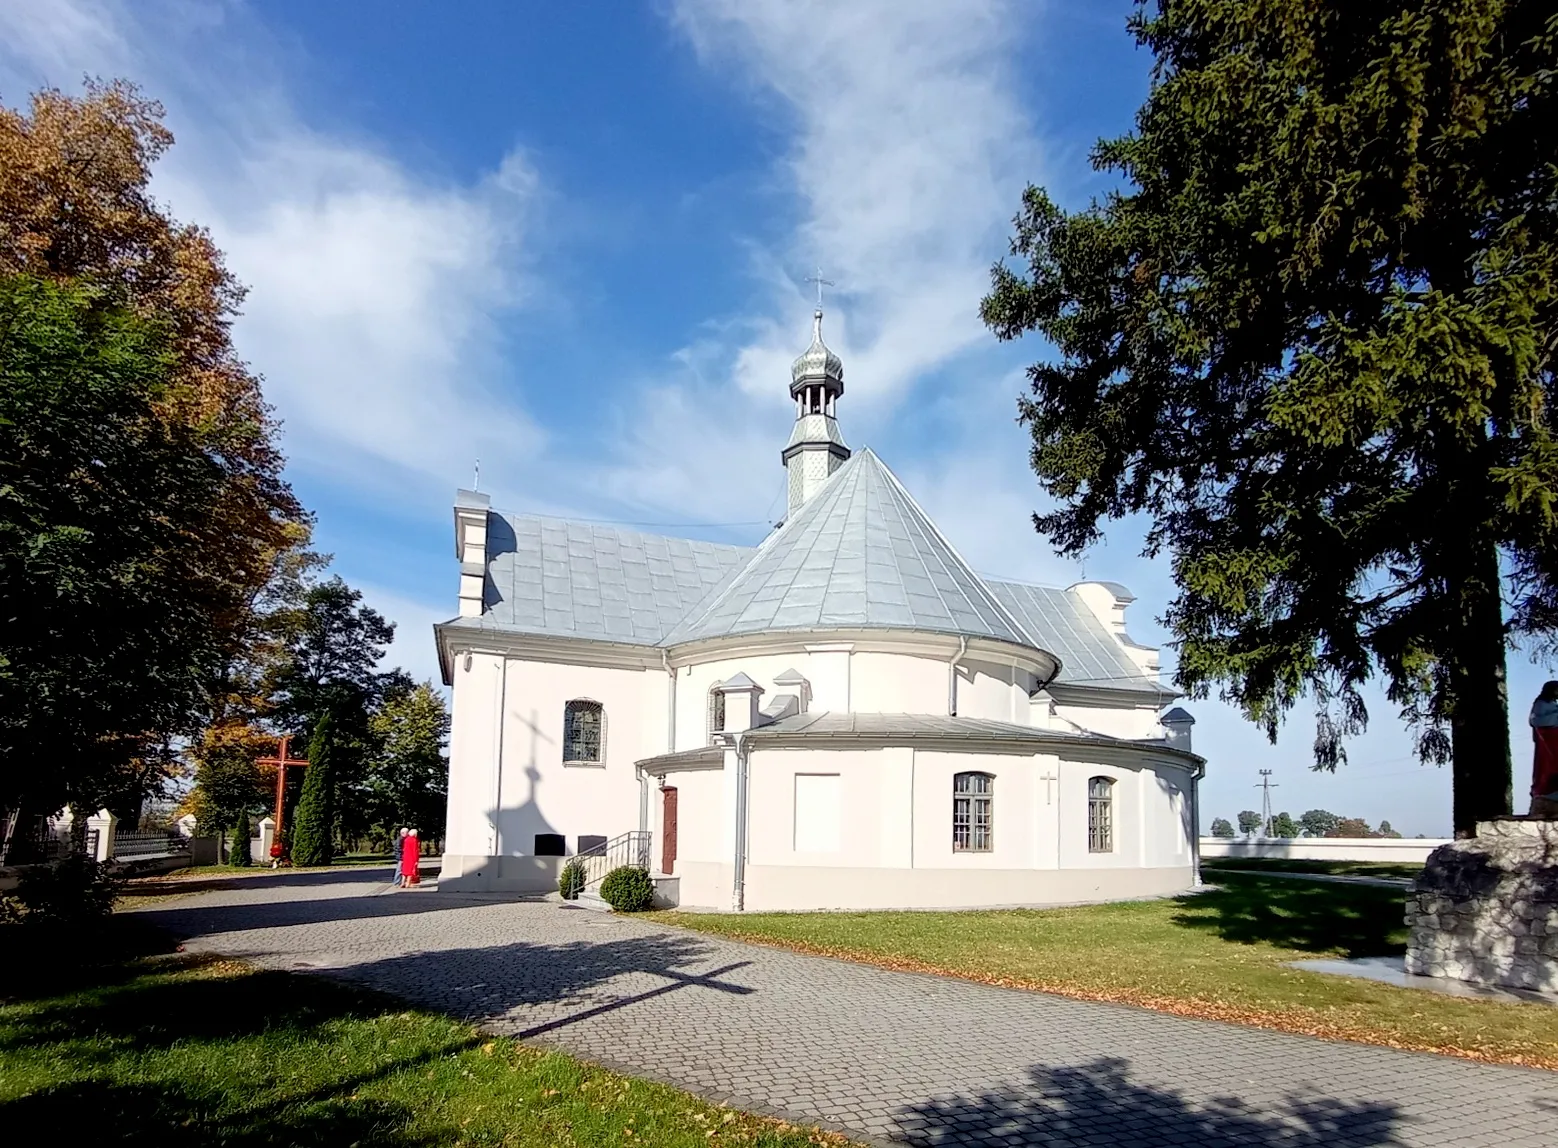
pixel 72 890
pixel 571 880
pixel 628 889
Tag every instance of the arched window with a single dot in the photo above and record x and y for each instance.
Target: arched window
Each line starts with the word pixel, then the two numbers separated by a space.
pixel 716 711
pixel 972 797
pixel 583 723
pixel 1100 815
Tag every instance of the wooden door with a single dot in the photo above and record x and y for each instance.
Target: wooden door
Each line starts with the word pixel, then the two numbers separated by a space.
pixel 668 831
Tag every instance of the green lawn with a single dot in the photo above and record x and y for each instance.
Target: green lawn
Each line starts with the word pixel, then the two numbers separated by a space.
pixel 1219 954
pixel 1292 865
pixel 152 1048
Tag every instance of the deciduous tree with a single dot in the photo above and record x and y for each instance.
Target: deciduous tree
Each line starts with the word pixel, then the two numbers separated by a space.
pixel 76 213
pixel 1310 342
pixel 407 781
pixel 1222 827
pixel 1283 825
pixel 114 585
pixel 1249 822
pixel 1318 823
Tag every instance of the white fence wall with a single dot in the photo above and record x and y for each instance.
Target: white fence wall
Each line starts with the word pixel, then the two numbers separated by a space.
pixel 1405 850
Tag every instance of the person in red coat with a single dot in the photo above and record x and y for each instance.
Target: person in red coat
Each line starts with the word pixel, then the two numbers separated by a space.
pixel 1544 770
pixel 410 858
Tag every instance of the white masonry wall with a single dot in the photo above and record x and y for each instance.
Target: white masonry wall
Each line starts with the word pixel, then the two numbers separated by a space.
pixel 497 810
pixel 872 828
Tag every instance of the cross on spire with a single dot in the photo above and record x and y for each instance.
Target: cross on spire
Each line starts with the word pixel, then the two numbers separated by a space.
pixel 821 283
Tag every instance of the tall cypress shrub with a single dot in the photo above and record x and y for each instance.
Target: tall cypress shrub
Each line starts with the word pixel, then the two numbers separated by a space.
pixel 238 855
pixel 313 839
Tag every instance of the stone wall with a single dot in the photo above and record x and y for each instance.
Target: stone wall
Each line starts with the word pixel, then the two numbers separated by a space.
pixel 1485 909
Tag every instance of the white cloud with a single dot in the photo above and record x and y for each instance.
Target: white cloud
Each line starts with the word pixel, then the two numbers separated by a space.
pixel 372 290
pixel 413 648
pixel 909 153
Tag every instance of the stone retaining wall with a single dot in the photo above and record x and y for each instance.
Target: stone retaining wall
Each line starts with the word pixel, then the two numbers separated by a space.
pixel 1485 909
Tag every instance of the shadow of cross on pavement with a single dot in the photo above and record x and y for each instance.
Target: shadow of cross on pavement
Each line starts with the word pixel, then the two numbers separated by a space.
pixel 679 980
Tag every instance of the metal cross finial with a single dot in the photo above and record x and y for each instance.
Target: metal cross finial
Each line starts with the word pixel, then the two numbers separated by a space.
pixel 821 283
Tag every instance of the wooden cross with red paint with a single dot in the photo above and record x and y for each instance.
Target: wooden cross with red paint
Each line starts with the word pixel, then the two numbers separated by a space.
pixel 282 761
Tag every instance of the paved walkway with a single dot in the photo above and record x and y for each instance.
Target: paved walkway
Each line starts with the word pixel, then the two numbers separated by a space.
pixel 892 1057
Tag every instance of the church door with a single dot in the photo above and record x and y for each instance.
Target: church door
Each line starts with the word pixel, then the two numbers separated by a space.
pixel 668 834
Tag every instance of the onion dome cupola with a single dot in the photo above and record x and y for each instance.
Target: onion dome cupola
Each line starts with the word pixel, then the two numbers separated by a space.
pixel 816 448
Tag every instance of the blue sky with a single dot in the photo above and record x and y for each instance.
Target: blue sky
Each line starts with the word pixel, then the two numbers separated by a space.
pixel 572 239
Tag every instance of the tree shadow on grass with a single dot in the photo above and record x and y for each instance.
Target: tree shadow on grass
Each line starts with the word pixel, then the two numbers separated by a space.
pixel 1312 916
pixel 558 984
pixel 1099 1103
pixel 175 1114
pixel 99 1027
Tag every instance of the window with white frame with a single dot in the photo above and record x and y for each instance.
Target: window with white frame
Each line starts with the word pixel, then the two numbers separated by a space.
pixel 973 794
pixel 716 712
pixel 583 729
pixel 1100 815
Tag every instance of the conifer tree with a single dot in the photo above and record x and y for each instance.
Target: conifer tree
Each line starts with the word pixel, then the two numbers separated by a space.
pixel 313 825
pixel 238 855
pixel 1310 343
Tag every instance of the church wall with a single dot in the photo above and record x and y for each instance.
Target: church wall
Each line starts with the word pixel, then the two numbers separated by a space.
pixel 701 828
pixel 848 680
pixel 991 690
pixel 1124 720
pixel 778 888
pixel 1022 827
pixel 472 736
pixel 898 684
pixel 540 793
pixel 864 821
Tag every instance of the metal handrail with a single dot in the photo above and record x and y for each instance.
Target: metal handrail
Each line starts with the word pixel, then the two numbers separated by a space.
pixel 624 849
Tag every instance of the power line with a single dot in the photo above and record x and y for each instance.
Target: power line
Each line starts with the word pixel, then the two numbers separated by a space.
pixel 1265 788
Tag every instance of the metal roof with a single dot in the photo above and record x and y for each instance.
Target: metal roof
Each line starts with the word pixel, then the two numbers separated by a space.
pixel 836 730
pixel 860 554
pixel 584 580
pixel 873 725
pixel 1061 623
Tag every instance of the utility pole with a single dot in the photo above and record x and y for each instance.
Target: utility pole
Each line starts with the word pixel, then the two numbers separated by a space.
pixel 1265 788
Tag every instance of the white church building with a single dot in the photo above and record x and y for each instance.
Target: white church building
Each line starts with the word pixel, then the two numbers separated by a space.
pixel 845 716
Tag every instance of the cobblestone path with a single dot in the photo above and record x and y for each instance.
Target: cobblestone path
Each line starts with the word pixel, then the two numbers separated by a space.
pixel 890 1057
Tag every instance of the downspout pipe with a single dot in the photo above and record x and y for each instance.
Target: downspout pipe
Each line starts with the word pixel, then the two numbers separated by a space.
pixel 497 771
pixel 670 741
pixel 670 702
pixel 738 880
pixel 1195 824
pixel 952 677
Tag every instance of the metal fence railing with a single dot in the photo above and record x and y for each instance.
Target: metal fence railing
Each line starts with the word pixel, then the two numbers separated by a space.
pixel 624 849
pixel 148 844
